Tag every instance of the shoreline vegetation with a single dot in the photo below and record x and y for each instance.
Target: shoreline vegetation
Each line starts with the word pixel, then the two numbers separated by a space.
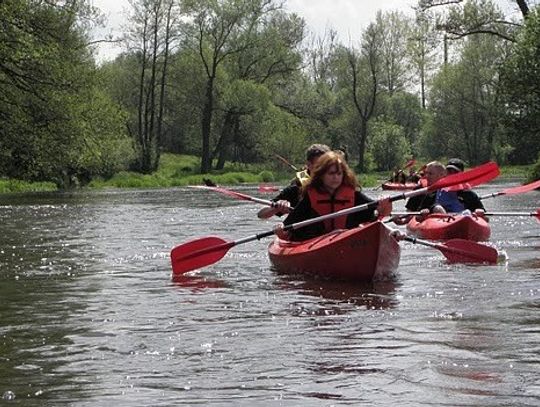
pixel 182 170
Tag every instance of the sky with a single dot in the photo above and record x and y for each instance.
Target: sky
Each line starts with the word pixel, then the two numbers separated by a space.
pixel 348 17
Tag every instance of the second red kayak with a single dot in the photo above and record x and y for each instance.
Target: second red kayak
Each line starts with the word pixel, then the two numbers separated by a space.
pixel 448 226
pixel 398 186
pixel 365 253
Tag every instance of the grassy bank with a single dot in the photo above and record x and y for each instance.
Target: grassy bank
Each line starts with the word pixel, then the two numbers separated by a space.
pixel 181 170
pixel 8 186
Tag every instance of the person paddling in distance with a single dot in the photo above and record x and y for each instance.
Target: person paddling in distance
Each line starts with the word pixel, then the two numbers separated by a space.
pixel 442 201
pixel 331 187
pixel 289 197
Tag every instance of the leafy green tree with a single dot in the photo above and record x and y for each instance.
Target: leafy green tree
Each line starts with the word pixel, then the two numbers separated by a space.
pixel 464 103
pixel 393 29
pixel 422 45
pixel 254 74
pixel 388 144
pixel 218 31
pixel 151 36
pixel 359 84
pixel 521 92
pixel 50 100
pixel 403 109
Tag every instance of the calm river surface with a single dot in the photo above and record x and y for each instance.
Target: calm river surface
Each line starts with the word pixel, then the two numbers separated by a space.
pixel 89 314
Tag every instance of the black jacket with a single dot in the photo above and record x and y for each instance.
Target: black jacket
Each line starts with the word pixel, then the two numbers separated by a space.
pixel 468 198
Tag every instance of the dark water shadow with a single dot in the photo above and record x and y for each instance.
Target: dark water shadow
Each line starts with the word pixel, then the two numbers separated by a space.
pixel 369 295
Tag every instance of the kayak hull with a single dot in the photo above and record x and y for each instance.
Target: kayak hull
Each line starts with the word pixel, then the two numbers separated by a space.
pixel 445 227
pixel 365 253
pixel 398 186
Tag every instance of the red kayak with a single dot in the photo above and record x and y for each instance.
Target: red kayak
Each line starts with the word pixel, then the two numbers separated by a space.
pixel 398 186
pixel 450 226
pixel 365 253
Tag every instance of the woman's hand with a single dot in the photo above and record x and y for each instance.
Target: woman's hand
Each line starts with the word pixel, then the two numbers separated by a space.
pixel 280 232
pixel 282 206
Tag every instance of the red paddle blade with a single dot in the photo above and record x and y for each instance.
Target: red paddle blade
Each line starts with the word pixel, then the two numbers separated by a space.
pixel 467 179
pixel 537 215
pixel 522 188
pixel 466 251
pixel 198 253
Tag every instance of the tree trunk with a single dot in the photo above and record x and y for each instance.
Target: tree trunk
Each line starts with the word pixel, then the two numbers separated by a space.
pixel 222 147
pixel 206 161
pixel 362 144
pixel 162 85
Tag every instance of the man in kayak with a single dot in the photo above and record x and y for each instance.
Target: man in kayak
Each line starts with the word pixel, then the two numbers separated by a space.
pixel 288 198
pixel 468 199
pixel 332 187
pixel 464 201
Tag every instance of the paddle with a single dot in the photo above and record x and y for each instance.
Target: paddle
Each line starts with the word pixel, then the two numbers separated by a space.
pixel 515 190
pixel 237 195
pixel 208 250
pixel 535 214
pixel 284 160
pixel 461 250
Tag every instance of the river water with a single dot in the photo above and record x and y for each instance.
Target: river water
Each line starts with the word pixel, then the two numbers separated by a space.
pixel 90 316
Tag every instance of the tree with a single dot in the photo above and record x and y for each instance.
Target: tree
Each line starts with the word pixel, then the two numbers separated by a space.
pixel 465 18
pixel 220 29
pixel 388 144
pixel 393 31
pixel 464 103
pixel 521 92
pixel 50 99
pixel 423 43
pixel 152 38
pixel 253 74
pixel 360 79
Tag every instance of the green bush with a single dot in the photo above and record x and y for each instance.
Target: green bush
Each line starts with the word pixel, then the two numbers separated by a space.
pixel 266 176
pixel 534 173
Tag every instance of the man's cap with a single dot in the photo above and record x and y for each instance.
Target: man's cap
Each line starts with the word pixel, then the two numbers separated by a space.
pixel 455 164
pixel 316 150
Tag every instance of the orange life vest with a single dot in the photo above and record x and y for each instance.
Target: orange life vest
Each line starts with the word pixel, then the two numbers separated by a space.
pixel 323 203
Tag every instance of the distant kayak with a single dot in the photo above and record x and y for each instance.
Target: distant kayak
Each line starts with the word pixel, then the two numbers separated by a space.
pixel 365 253
pixel 398 186
pixel 450 226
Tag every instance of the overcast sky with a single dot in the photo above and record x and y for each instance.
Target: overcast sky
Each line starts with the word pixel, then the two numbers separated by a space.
pixel 347 17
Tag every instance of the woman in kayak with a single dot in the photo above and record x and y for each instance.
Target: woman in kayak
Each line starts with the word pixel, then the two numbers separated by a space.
pixel 331 187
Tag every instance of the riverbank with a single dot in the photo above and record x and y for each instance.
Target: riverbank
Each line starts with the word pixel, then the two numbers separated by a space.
pixel 182 170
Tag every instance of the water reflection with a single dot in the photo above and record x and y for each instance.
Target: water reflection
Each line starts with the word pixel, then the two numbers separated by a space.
pixel 197 283
pixel 368 295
